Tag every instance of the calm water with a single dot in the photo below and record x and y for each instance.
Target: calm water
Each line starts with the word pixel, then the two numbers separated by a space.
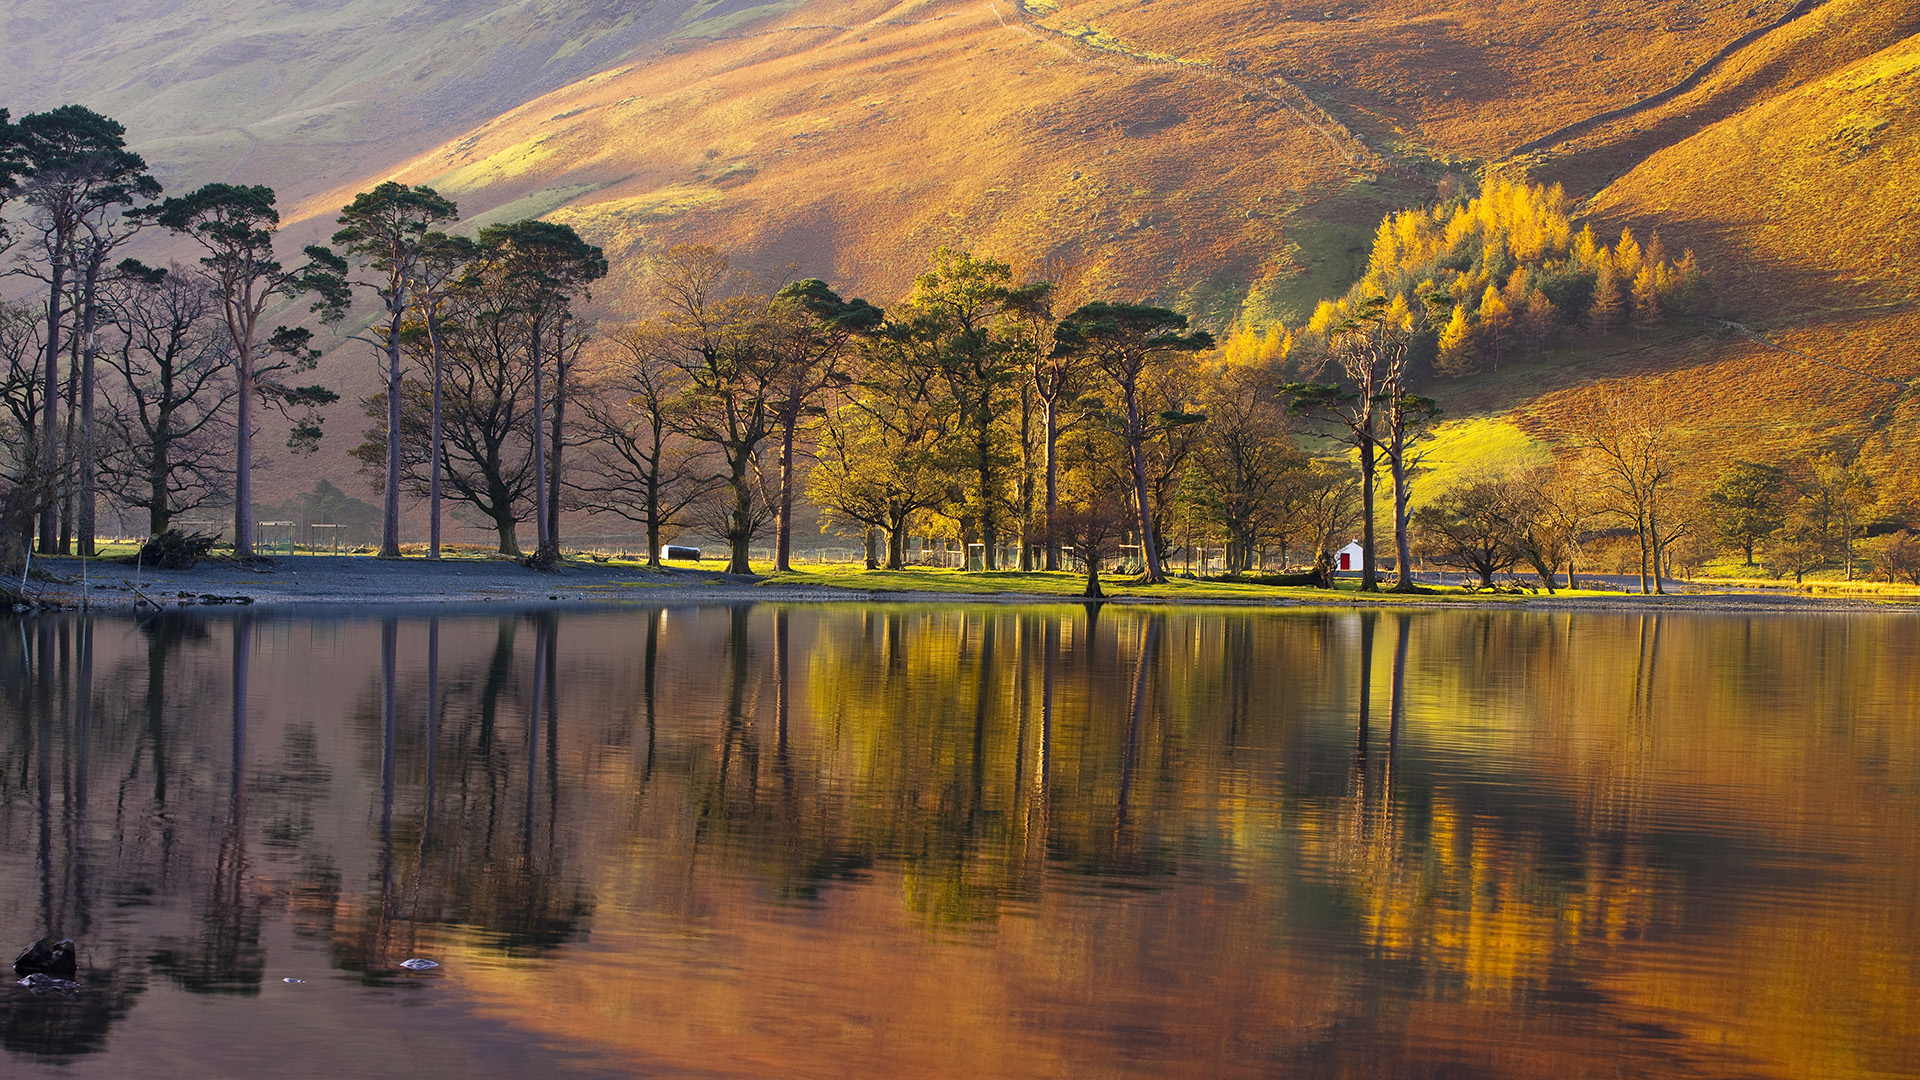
pixel 968 842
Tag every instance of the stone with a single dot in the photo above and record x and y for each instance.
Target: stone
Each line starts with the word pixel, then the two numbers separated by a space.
pixel 45 957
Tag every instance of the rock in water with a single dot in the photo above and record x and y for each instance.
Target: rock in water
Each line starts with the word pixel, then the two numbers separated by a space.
pixel 42 984
pixel 417 964
pixel 46 958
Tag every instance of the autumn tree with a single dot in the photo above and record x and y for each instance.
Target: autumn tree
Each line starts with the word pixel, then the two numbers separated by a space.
pixel 234 225
pixel 1047 392
pixel 950 324
pixel 1125 342
pixel 882 460
pixel 385 230
pixel 1246 459
pixel 1551 509
pixel 1471 526
pixel 443 263
pixel 714 335
pixel 487 431
pixel 1635 444
pixel 1371 346
pixel 1896 555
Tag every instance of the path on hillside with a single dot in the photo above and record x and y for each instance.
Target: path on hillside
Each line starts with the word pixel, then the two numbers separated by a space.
pixel 1581 127
pixel 1270 89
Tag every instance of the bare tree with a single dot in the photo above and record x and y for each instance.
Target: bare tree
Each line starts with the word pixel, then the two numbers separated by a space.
pixel 641 467
pixel 175 375
pixel 1636 447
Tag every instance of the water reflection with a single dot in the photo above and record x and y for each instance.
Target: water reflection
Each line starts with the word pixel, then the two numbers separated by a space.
pixel 978 841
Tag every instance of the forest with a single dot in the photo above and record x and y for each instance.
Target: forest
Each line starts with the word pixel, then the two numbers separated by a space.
pixel 976 411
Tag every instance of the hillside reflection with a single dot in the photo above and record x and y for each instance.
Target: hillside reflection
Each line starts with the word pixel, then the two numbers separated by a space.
pixel 984 840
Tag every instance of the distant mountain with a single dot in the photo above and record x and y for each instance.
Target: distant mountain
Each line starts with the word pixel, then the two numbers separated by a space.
pixel 302 94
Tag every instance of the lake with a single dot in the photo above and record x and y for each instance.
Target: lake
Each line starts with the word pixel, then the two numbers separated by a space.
pixel 965 841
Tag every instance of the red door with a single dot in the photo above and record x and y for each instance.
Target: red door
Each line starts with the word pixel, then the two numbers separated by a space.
pixel 1344 560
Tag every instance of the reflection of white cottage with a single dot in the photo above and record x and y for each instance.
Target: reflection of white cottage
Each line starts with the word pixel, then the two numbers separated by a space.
pixel 1349 557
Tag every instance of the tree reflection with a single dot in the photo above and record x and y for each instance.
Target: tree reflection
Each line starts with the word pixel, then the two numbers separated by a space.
pixel 226 957
pixel 50 689
pixel 1122 800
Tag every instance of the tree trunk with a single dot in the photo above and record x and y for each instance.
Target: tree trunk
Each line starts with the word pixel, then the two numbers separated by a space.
pixel 243 455
pixel 653 509
pixel 1402 494
pixel 1092 591
pixel 1051 418
pixel 1643 558
pixel 1137 449
pixel 739 530
pixel 897 541
pixel 89 319
pixel 433 465
pixel 539 425
pixel 873 548
pixel 783 544
pixel 47 467
pixel 560 366
pixel 1026 477
pixel 1653 539
pixel 1369 573
pixel 159 513
pixel 507 530
pixel 390 516
pixel 989 513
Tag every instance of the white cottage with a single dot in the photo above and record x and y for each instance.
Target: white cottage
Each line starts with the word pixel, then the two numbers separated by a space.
pixel 1349 557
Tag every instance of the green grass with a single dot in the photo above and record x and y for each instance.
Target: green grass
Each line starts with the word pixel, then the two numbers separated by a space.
pixel 1068 586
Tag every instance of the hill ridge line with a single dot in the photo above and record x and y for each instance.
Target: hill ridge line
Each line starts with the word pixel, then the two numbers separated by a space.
pixel 1581 127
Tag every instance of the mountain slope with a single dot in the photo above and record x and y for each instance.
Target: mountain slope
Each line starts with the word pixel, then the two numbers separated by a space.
pixel 300 95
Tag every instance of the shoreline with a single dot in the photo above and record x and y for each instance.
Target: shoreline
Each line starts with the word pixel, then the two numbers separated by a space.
pixel 331 583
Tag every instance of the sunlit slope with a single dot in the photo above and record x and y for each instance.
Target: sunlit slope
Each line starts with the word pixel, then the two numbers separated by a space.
pixel 1806 50
pixel 1803 208
pixel 302 95
pixel 852 149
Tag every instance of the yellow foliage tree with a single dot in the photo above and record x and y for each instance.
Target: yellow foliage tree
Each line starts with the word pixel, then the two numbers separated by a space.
pixel 1457 356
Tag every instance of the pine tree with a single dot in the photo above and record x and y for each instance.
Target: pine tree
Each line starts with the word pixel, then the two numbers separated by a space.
pixel 1496 325
pixel 1627 255
pixel 1609 304
pixel 1646 297
pixel 1456 344
pixel 1538 321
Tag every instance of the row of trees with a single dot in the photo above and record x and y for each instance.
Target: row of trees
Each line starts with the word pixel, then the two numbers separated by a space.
pixel 187 346
pixel 181 356
pixel 970 408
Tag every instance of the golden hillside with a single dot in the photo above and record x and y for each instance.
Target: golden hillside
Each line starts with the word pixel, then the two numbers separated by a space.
pixel 1234 161
pixel 1801 205
pixel 1197 153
